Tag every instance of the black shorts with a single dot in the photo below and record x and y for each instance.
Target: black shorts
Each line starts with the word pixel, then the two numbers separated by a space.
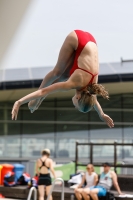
pixel 44 179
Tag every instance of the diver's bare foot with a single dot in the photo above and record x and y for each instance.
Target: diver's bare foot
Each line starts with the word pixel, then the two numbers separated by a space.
pixel 34 104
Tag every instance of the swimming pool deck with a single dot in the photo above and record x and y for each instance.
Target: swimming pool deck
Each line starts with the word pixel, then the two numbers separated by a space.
pixel 8 199
pixel 21 192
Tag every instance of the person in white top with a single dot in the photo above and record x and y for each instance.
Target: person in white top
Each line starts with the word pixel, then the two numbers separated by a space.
pixel 91 179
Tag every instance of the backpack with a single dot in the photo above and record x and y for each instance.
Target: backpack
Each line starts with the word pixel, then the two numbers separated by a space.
pixel 24 179
pixel 9 179
pixel 110 196
pixel 33 182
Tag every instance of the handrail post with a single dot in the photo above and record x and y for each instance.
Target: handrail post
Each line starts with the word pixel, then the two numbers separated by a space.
pixel 115 156
pixel 76 157
pixel 53 184
pixel 91 153
pixel 32 189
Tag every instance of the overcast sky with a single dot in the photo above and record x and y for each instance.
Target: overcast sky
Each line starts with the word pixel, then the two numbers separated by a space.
pixel 46 23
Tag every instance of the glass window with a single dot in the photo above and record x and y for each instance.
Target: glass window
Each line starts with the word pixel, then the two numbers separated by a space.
pixel 127 101
pixel 66 137
pixel 113 102
pixel 128 115
pixel 105 134
pixel 1 114
pixel 12 147
pixel 124 153
pixel 94 116
pixel 1 129
pixel 2 140
pixel 115 115
pixel 128 134
pixel 32 146
pixel 103 153
pixel 57 125
pixel 14 128
pixel 37 137
pixel 38 115
pixel 67 112
pixel 71 115
pixel 64 103
pixel 36 128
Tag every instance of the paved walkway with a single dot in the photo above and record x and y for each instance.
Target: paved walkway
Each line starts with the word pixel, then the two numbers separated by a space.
pixel 8 199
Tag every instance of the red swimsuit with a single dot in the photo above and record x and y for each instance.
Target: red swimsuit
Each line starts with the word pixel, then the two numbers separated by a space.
pixel 83 39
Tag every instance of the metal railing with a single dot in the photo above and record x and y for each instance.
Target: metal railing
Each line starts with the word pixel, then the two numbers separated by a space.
pixel 115 160
pixel 53 184
pixel 32 189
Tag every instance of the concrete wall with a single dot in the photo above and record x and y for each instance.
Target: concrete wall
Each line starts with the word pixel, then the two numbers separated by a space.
pixel 11 13
pixel 15 94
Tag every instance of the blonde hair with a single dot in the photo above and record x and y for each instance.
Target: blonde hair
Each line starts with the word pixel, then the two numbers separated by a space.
pixel 87 100
pixel 98 89
pixel 45 152
pixel 92 167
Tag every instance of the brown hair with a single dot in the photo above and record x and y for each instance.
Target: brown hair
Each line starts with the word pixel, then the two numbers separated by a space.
pixel 87 100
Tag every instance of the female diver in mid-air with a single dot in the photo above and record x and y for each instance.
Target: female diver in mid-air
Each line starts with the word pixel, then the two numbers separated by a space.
pixel 77 68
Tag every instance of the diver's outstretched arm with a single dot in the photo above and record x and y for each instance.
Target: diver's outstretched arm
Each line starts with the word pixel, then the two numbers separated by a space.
pixel 103 116
pixel 42 93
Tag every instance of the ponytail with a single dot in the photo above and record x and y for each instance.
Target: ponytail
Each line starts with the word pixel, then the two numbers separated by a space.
pixel 98 89
pixel 87 100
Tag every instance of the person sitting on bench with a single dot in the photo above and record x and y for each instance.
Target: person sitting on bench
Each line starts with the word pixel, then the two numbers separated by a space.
pixel 107 179
pixel 91 179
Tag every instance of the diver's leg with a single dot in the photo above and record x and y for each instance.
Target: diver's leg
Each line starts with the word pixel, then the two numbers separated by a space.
pixel 64 62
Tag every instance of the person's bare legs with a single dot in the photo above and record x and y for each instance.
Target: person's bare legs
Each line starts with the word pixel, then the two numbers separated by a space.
pixel 78 192
pixel 93 194
pixel 85 193
pixel 41 192
pixel 65 60
pixel 48 190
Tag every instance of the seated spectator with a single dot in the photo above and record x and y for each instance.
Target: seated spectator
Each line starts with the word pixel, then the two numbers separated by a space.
pixel 107 179
pixel 91 179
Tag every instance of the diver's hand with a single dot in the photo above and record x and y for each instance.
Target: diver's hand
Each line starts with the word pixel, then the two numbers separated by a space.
pixel 107 120
pixel 15 110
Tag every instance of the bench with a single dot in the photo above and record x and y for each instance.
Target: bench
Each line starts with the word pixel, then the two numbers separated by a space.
pixel 21 192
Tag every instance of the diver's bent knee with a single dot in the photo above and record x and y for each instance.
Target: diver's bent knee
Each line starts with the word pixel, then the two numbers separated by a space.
pixel 72 40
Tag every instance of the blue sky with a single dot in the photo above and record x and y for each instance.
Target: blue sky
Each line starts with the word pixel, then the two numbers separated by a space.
pixel 46 24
